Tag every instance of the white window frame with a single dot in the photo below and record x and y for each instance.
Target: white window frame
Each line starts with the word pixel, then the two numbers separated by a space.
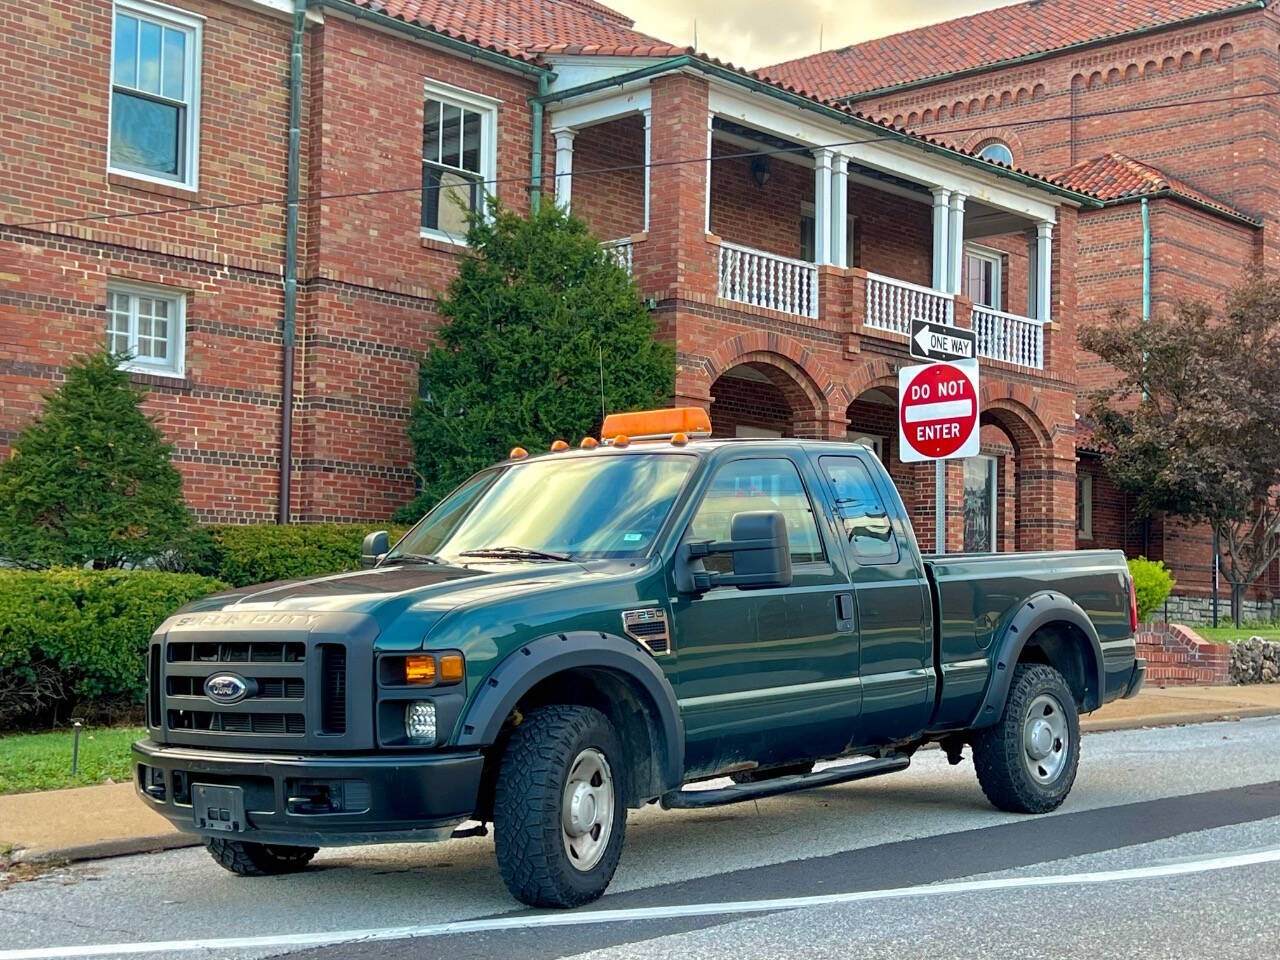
pixel 993 474
pixel 996 259
pixel 1084 509
pixel 193 25
pixel 175 365
pixel 487 107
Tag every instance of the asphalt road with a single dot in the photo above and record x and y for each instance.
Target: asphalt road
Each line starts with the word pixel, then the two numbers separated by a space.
pixel 1169 846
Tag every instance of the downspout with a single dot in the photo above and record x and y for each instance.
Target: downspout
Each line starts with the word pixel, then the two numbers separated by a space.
pixel 535 162
pixel 289 322
pixel 1146 261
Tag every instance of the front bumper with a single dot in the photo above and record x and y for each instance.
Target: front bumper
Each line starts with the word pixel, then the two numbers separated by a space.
pixel 315 800
pixel 1136 678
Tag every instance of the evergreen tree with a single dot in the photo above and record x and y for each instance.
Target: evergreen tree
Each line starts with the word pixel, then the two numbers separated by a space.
pixel 537 312
pixel 89 481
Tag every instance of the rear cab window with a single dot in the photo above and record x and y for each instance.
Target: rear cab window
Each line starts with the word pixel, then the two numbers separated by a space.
pixel 862 513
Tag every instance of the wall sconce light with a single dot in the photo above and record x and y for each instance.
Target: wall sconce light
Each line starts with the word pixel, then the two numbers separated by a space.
pixel 760 171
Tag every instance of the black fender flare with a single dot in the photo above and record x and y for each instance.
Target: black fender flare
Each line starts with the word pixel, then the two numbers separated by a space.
pixel 1038 611
pixel 539 659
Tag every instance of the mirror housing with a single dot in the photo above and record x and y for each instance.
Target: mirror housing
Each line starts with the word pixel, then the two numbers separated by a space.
pixel 374 548
pixel 760 549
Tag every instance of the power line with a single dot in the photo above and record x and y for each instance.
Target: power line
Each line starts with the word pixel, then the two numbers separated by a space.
pixel 599 171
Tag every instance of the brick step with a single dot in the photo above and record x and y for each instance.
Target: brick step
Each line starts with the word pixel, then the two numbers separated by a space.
pixel 1156 655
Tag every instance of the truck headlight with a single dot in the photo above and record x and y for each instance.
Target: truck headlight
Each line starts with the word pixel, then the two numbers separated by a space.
pixel 420 720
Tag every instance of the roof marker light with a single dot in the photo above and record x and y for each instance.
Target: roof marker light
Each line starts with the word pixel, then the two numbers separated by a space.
pixel 518 453
pixel 589 443
pixel 559 445
pixel 622 440
pixel 679 439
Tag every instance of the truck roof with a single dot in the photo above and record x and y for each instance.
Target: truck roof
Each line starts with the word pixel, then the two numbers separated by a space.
pixel 701 446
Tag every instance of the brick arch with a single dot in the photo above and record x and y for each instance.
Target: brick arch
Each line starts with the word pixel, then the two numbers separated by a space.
pixel 1206 56
pixel 1038 91
pixel 1132 72
pixel 1007 135
pixel 1150 68
pixel 1225 51
pixel 1114 75
pixel 1043 515
pixel 800 375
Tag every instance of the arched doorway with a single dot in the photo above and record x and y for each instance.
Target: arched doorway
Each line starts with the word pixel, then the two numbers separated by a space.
pixel 763 396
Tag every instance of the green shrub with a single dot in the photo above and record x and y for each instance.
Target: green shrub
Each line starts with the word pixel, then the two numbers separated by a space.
pixel 76 636
pixel 1152 582
pixel 259 553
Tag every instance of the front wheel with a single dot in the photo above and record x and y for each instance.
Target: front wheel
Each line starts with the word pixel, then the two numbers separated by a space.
pixel 1027 762
pixel 558 810
pixel 246 859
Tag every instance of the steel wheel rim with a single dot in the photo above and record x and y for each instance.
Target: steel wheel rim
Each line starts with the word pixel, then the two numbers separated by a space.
pixel 1046 741
pixel 586 813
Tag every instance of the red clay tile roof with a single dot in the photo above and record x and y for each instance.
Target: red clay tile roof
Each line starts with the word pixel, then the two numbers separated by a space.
pixel 525 28
pixel 983 39
pixel 1113 176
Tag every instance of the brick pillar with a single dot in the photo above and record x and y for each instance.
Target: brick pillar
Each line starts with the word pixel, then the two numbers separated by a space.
pixel 816 428
pixel 677 260
pixel 1046 490
pixel 1060 336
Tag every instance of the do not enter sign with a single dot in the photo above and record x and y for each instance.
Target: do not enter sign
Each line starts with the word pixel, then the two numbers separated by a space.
pixel 938 411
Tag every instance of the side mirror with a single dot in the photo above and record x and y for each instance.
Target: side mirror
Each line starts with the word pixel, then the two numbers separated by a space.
pixel 373 549
pixel 760 549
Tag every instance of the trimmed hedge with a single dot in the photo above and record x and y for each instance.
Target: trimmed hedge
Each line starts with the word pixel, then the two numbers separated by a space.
pixel 75 637
pixel 1152 584
pixel 259 553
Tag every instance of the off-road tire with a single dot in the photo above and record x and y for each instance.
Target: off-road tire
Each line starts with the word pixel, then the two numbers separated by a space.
pixel 527 806
pixel 247 859
pixel 772 773
pixel 998 751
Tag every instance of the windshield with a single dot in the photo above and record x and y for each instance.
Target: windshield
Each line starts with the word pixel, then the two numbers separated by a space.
pixel 584 508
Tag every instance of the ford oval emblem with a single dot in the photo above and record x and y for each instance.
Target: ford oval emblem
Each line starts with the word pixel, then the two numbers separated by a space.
pixel 226 688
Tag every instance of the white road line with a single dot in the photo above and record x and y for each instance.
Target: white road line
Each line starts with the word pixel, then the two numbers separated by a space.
pixel 581 918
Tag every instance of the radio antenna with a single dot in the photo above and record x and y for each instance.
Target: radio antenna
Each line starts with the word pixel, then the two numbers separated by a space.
pixel 603 412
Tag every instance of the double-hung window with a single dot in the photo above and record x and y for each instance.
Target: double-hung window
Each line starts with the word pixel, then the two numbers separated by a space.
pixel 459 147
pixel 155 75
pixel 983 270
pixel 148 325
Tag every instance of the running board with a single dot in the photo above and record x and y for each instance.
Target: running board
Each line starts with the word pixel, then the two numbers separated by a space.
pixel 690 799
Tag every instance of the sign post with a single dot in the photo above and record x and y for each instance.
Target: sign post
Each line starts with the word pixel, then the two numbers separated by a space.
pixel 938 420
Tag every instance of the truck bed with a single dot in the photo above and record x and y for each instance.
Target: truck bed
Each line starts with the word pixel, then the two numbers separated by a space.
pixel 976 595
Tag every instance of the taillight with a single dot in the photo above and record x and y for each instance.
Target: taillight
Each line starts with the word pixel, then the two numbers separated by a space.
pixel 1133 607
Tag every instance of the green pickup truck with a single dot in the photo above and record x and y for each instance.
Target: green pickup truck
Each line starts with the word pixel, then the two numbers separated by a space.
pixel 571 635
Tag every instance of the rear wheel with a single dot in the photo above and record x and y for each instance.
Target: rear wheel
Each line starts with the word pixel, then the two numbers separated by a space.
pixel 559 814
pixel 246 859
pixel 1027 762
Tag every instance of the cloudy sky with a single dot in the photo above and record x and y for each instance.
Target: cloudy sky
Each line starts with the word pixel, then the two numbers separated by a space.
pixel 753 33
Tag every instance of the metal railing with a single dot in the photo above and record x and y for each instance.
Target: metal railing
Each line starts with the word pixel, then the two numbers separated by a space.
pixel 892 304
pixel 621 252
pixel 1009 337
pixel 768 280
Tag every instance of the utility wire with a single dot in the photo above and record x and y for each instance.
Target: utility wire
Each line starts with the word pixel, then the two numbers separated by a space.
pixel 599 171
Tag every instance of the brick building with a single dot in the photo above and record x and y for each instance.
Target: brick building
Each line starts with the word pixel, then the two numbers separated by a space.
pixel 145 191
pixel 1166 111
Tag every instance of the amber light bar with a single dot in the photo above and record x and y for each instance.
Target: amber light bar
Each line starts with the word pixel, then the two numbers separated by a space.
pixel 648 424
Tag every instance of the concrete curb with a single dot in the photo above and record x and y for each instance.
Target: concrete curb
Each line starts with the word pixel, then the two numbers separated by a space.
pixel 1105 725
pixel 122 847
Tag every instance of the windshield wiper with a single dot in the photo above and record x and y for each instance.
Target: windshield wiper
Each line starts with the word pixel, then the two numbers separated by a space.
pixel 413 558
pixel 516 553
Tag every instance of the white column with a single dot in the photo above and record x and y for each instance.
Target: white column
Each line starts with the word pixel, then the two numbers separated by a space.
pixel 1044 271
pixel 1033 274
pixel 564 167
pixel 822 205
pixel 955 231
pixel 941 214
pixel 840 210
pixel 710 122
pixel 648 158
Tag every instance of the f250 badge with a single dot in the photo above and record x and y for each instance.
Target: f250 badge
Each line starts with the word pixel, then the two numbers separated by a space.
pixel 226 688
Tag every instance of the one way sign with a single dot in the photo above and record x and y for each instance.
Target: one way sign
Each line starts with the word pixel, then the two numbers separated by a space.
pixel 933 341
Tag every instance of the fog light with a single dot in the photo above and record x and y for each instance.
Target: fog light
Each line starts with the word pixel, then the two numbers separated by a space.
pixel 420 720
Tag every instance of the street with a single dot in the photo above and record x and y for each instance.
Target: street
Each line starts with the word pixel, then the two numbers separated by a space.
pixel 1168 846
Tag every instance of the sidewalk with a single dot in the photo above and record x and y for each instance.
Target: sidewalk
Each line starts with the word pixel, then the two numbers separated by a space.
pixel 88 823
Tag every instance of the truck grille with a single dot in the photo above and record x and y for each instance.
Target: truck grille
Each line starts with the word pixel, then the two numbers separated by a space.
pixel 285 681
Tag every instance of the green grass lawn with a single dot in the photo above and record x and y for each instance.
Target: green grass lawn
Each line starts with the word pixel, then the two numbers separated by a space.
pixel 1230 634
pixel 42 761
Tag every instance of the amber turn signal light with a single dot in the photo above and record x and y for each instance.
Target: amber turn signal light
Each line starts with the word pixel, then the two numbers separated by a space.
pixel 452 669
pixel 420 669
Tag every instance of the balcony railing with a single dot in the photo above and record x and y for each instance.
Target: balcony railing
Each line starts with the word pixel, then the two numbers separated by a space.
pixel 1009 337
pixel 892 304
pixel 768 280
pixel 621 252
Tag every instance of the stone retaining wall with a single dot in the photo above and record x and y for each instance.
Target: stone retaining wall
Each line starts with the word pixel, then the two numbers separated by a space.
pixel 1255 661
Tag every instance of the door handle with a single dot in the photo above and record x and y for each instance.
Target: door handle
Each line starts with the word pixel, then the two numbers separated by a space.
pixel 844 611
